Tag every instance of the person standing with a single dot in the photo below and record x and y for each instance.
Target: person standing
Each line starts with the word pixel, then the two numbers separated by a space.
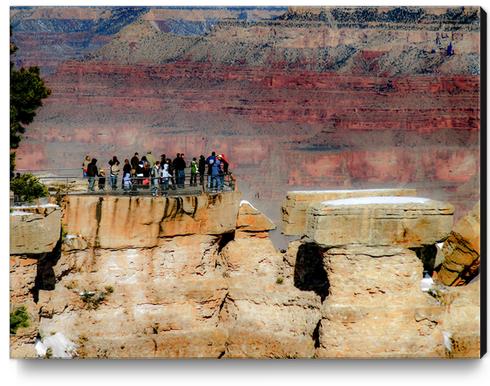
pixel 215 171
pixel 181 171
pixel 193 172
pixel 210 161
pixel 92 172
pixel 150 158
pixel 202 169
pixel 101 179
pixel 135 161
pixel 114 172
pixel 86 161
pixel 155 174
pixel 126 170
pixel 165 175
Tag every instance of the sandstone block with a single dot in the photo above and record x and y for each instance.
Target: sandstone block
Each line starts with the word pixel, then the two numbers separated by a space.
pixel 295 205
pixel 404 221
pixel 375 308
pixel 34 229
pixel 461 250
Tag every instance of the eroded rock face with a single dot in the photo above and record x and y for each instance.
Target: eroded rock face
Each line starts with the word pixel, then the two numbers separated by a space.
pixel 252 220
pixel 23 271
pixel 125 222
pixel 295 205
pixel 373 221
pixel 462 321
pixel 35 229
pixel 375 308
pixel 461 250
pixel 266 315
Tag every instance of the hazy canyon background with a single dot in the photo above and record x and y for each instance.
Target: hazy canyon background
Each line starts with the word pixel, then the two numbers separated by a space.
pixel 298 98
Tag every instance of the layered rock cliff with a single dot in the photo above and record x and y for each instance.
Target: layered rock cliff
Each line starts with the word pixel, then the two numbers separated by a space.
pixel 198 276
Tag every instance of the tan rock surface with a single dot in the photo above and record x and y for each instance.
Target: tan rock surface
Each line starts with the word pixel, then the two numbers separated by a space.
pixel 296 204
pixel 266 316
pixel 23 272
pixel 34 229
pixel 186 297
pixel 375 308
pixel 462 321
pixel 252 220
pixel 158 302
pixel 405 221
pixel 461 250
pixel 125 222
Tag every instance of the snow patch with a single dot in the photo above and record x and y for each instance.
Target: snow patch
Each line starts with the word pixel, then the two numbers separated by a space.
pixel 35 206
pixel 245 202
pixel 69 237
pixel 426 284
pixel 341 191
pixel 448 342
pixel 60 346
pixel 377 200
pixel 19 213
pixel 439 245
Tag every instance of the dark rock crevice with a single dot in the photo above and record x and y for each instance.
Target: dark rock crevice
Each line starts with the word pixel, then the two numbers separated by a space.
pixel 309 272
pixel 45 275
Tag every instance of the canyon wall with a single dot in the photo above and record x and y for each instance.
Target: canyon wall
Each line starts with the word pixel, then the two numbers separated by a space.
pixel 301 98
pixel 198 276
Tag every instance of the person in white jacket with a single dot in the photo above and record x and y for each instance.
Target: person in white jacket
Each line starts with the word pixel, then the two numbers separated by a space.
pixel 165 175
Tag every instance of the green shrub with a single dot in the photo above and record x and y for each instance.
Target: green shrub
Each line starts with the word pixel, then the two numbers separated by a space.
pixel 279 280
pixel 28 187
pixel 18 318
pixel 93 299
pixel 109 289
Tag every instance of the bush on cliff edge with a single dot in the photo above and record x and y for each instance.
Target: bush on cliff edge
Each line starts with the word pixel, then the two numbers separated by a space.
pixel 27 188
pixel 18 318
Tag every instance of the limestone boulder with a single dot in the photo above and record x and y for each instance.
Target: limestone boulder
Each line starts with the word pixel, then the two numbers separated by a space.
pixel 252 220
pixel 35 229
pixel 380 221
pixel 126 222
pixel 295 205
pixel 461 250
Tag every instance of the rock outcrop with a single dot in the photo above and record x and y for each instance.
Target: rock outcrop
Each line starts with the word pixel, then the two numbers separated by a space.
pixel 373 221
pixel 375 308
pixel 461 251
pixel 125 222
pixel 252 220
pixel 34 229
pixel 296 204
pixel 23 272
pixel 462 320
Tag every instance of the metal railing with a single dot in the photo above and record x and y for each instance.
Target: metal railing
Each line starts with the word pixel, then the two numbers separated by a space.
pixel 73 184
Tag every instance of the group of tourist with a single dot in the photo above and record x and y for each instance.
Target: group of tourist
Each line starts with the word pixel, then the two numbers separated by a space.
pixel 161 175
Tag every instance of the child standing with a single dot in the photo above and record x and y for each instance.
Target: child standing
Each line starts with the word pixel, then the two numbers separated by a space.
pixel 102 179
